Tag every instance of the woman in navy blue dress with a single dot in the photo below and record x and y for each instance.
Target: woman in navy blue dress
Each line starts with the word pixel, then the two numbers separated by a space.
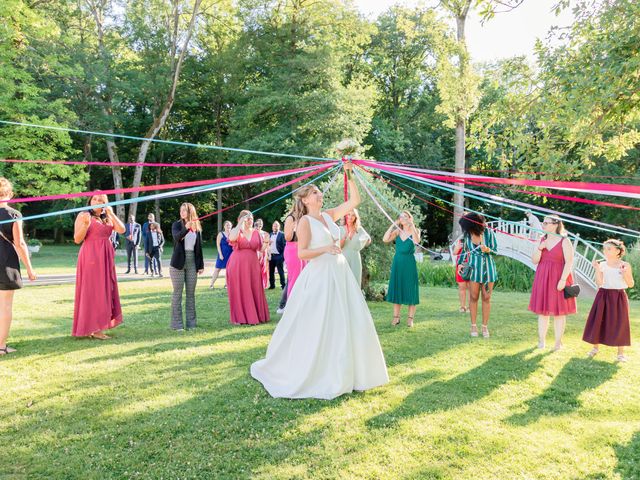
pixel 224 251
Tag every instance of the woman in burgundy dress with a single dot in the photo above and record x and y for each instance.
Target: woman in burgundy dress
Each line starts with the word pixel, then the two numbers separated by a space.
pixel 247 302
pixel 554 257
pixel 97 302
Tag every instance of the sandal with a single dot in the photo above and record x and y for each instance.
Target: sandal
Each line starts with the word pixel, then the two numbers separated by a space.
pixel 396 320
pixel 462 309
pixel 593 352
pixel 99 336
pixel 7 350
pixel 621 358
pixel 485 331
pixel 410 322
pixel 474 330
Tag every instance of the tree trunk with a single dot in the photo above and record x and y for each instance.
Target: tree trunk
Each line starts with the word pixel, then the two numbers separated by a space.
pixel 97 10
pixel 88 157
pixel 458 197
pixel 116 172
pixel 160 120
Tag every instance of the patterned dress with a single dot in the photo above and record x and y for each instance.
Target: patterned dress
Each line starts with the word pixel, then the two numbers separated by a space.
pixel 482 264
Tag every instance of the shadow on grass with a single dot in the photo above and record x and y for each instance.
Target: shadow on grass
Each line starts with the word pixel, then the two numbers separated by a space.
pixel 628 466
pixel 466 388
pixel 206 419
pixel 561 397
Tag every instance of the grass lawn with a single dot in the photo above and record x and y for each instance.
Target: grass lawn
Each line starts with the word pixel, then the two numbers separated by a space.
pixel 62 259
pixel 156 404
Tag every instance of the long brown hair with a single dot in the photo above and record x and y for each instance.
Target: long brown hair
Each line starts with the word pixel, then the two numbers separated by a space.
pixel 192 216
pixel 299 209
pixel 557 221
pixel 93 213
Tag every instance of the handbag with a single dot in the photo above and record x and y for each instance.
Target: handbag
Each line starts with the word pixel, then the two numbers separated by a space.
pixel 572 291
pixel 466 269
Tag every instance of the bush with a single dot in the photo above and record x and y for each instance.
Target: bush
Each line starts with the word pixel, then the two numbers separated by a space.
pixel 633 257
pixel 512 275
pixel 34 242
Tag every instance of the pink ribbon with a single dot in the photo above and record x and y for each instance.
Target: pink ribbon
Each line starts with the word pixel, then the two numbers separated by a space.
pixel 286 184
pixel 146 164
pixel 170 186
pixel 587 187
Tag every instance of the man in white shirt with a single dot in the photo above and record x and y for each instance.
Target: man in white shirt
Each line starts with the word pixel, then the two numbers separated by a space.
pixel 276 248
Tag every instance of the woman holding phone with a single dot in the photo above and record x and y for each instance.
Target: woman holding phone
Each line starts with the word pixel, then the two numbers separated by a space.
pixel 97 301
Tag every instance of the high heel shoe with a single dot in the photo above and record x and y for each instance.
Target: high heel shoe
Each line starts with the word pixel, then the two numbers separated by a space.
pixel 474 330
pixel 396 320
pixel 410 322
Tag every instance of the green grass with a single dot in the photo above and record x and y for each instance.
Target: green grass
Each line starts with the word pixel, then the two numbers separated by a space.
pixel 62 259
pixel 156 404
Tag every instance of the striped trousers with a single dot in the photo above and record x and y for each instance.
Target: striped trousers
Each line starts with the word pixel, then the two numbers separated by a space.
pixel 184 279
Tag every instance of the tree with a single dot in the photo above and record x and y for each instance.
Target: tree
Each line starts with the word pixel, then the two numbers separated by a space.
pixel 377 257
pixel 458 90
pixel 25 98
pixel 402 59
pixel 160 32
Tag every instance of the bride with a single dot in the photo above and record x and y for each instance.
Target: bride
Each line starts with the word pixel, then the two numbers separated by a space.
pixel 325 344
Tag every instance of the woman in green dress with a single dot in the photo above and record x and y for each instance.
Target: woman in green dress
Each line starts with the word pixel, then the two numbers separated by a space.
pixel 403 283
pixel 478 247
pixel 354 238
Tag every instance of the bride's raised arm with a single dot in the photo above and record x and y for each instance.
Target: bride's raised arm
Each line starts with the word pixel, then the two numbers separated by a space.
pixel 354 195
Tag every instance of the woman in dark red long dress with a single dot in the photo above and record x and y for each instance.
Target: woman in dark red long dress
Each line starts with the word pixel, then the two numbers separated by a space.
pixel 97 303
pixel 554 257
pixel 247 302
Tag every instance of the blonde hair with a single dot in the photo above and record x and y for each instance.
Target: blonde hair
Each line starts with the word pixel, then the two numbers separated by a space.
pixel 560 230
pixel 356 215
pixel 243 213
pixel 299 209
pixel 6 189
pixel 192 216
pixel 407 213
pixel 619 244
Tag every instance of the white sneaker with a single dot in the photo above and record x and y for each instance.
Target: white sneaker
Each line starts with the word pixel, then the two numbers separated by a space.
pixel 280 311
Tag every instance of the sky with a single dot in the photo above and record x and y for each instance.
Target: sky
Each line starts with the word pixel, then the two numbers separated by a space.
pixel 507 34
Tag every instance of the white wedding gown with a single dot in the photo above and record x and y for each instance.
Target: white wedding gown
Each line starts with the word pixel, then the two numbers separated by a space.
pixel 325 344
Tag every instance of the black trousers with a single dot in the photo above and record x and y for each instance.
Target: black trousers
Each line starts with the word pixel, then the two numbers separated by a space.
pixel 277 261
pixel 132 251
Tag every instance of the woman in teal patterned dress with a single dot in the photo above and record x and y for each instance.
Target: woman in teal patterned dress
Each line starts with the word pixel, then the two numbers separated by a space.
pixel 479 246
pixel 403 283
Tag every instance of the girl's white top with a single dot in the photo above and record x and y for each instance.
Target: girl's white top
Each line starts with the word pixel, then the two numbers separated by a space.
pixel 612 276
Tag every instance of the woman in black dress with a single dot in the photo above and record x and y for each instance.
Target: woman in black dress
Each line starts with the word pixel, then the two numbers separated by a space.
pixel 12 247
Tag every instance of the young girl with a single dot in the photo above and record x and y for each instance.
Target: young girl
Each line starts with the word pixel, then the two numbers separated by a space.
pixel 608 321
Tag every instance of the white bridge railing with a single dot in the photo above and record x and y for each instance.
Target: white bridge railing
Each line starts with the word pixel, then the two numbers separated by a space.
pixel 518 240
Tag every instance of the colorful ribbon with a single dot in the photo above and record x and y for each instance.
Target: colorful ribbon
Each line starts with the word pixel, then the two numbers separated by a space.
pixel 167 142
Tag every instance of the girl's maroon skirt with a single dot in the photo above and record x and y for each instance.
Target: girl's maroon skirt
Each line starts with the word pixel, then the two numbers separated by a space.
pixel 608 321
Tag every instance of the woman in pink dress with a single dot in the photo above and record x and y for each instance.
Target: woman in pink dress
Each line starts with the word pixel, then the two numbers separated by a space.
pixel 263 253
pixel 97 302
pixel 554 257
pixel 247 302
pixel 291 259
